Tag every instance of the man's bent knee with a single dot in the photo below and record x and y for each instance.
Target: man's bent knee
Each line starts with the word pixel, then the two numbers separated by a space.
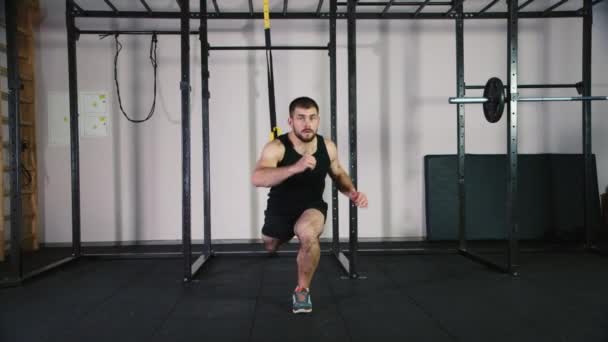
pixel 308 240
pixel 308 229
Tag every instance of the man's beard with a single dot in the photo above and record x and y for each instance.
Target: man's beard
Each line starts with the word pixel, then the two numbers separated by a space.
pixel 304 139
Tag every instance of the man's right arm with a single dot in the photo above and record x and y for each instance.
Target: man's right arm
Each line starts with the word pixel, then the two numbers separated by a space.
pixel 266 173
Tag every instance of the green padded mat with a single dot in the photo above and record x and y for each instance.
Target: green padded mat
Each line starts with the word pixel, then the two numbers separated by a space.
pixel 550 197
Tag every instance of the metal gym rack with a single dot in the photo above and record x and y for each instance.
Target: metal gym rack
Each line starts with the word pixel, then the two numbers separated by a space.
pixel 348 259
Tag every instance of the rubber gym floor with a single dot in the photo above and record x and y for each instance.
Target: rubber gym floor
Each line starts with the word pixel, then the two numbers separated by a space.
pixel 441 297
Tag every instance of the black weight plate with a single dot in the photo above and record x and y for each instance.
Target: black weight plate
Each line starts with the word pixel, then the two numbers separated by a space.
pixel 495 93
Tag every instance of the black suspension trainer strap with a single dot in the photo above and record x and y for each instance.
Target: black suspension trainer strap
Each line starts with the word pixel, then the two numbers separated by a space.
pixel 274 130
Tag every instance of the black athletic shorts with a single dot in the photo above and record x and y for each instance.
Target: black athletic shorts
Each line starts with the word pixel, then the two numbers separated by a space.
pixel 282 226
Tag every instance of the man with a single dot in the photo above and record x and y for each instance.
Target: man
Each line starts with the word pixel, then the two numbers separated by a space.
pixel 295 166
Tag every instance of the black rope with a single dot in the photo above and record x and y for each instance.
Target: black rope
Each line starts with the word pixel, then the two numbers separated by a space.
pixel 153 47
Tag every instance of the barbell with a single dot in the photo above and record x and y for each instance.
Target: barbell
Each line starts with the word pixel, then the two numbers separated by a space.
pixel 494 99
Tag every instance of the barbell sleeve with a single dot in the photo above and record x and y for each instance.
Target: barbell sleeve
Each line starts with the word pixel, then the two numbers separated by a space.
pixel 468 100
pixel 459 100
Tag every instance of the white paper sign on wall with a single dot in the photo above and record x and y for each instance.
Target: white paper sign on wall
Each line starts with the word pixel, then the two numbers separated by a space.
pixel 94 114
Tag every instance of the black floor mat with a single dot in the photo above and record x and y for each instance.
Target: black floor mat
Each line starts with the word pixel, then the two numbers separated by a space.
pixel 445 297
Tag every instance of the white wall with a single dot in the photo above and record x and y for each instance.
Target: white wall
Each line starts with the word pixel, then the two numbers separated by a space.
pixel 131 180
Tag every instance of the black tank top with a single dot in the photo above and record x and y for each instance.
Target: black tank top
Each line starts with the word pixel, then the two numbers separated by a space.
pixel 301 189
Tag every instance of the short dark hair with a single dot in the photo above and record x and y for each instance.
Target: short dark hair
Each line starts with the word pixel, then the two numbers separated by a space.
pixel 302 102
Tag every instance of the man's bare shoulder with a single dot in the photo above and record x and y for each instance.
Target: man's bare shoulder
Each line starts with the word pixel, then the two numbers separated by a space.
pixel 274 150
pixel 275 146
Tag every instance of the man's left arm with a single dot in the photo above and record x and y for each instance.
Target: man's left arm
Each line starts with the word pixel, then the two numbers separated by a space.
pixel 341 178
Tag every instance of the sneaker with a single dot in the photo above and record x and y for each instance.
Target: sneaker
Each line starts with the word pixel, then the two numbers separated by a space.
pixel 301 301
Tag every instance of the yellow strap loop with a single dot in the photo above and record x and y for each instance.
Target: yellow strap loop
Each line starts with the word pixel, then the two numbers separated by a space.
pixel 266 15
pixel 272 133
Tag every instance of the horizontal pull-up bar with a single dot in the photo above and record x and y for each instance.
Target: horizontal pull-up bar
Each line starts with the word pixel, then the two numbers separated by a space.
pixel 271 48
pixel 400 3
pixel 104 34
